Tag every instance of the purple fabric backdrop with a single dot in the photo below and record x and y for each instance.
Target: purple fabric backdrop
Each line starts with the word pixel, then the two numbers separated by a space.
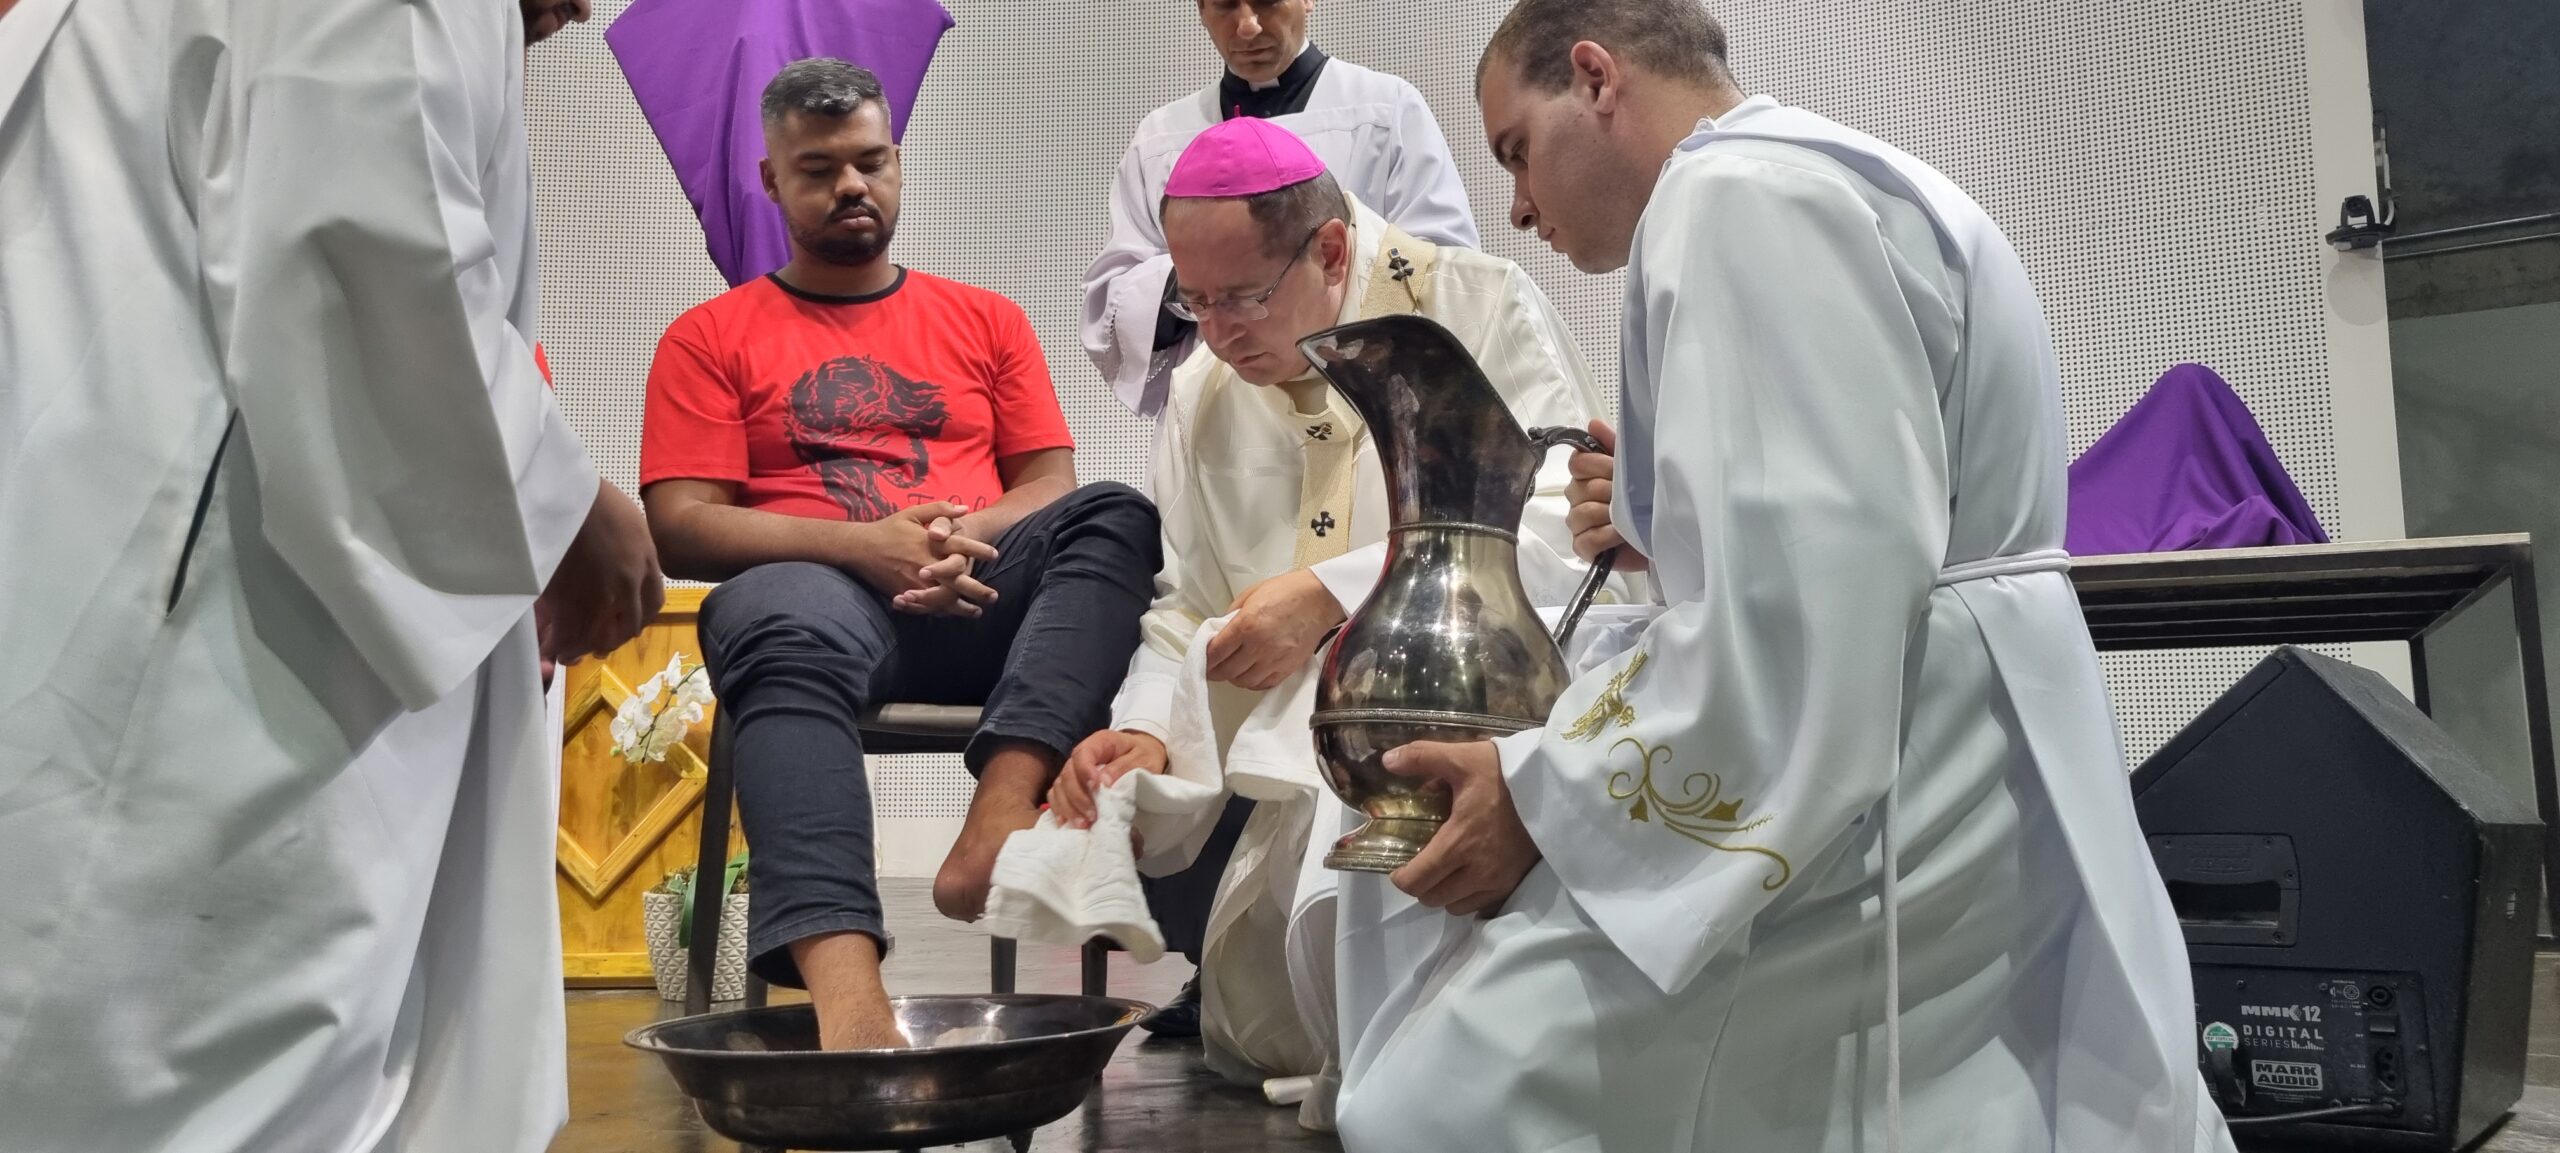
pixel 2187 468
pixel 698 68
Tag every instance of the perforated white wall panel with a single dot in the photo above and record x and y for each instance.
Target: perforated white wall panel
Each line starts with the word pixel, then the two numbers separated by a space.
pixel 2151 159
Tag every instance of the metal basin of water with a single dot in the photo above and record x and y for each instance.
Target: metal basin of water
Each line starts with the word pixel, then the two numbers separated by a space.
pixel 758 1077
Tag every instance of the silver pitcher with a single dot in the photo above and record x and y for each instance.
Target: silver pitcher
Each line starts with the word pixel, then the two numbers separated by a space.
pixel 1447 647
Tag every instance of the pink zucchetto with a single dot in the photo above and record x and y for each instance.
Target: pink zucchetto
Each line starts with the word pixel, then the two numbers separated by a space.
pixel 1242 157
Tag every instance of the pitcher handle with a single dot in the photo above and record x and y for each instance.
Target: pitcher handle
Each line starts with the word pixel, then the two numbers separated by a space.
pixel 1546 438
pixel 1601 566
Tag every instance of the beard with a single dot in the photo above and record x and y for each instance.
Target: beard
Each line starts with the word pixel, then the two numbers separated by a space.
pixel 835 248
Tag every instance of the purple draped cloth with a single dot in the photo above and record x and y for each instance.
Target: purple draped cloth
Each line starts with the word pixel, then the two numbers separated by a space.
pixel 2187 468
pixel 699 67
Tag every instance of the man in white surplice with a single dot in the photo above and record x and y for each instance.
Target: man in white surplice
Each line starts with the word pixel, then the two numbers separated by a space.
pixel 280 484
pixel 1837 854
pixel 1274 511
pixel 1373 130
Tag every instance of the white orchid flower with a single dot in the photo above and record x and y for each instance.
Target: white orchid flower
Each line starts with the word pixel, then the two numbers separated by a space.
pixel 646 727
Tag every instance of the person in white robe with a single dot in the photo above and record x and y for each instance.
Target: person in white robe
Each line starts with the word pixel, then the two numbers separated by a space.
pixel 1837 854
pixel 287 518
pixel 1275 516
pixel 1374 132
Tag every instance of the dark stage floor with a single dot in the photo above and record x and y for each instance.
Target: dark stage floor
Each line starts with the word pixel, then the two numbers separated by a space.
pixel 1156 1097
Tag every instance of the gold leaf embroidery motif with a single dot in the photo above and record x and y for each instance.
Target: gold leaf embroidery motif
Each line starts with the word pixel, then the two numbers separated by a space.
pixel 1611 708
pixel 1703 814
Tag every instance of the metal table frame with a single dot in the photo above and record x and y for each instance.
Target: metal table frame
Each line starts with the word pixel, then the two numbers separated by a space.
pixel 2399 590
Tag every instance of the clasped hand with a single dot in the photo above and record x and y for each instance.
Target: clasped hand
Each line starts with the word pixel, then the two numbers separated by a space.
pixel 923 559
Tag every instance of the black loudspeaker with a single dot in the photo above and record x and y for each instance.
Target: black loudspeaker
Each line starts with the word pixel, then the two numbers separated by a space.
pixel 2358 903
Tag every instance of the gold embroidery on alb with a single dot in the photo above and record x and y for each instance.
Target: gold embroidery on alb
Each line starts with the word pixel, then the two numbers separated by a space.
pixel 1612 707
pixel 1702 816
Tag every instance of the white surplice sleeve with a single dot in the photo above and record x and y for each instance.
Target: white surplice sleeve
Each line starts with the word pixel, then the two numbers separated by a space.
pixel 1798 523
pixel 1190 587
pixel 1124 293
pixel 412 468
pixel 1426 196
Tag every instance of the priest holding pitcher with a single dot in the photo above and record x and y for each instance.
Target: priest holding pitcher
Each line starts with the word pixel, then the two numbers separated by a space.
pixel 1837 853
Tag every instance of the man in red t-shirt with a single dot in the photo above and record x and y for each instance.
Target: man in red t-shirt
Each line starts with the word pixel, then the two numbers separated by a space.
pixel 873 464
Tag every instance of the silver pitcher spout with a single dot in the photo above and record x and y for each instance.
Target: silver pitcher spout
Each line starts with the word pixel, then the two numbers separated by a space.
pixel 1447 647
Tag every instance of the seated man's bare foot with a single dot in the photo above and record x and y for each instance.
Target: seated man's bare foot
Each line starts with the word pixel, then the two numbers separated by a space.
pixel 842 971
pixel 1010 786
pixel 960 889
pixel 855 1024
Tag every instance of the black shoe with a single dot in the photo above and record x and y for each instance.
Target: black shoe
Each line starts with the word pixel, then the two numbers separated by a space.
pixel 1182 1017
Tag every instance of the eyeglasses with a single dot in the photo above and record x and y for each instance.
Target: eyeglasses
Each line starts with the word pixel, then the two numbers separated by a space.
pixel 1254 307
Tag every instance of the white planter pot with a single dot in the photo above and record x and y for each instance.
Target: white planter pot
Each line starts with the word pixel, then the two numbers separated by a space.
pixel 670 961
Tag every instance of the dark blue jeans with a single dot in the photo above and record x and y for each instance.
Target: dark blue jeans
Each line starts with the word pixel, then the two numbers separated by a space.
pixel 798 651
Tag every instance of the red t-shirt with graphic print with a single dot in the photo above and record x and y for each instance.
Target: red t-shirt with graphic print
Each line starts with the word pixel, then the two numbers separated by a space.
pixel 849 408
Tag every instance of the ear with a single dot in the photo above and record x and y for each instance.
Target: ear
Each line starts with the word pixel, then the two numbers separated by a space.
pixel 764 172
pixel 1333 251
pixel 1597 78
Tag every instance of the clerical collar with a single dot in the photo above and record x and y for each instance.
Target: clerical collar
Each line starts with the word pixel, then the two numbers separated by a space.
pixel 1279 98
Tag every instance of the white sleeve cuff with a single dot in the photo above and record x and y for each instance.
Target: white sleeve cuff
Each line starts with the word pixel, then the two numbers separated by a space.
pixel 1145 701
pixel 1137 297
pixel 1516 749
pixel 1349 577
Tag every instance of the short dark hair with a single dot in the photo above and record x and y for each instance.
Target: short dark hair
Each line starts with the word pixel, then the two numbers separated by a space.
pixel 1675 38
pixel 1287 216
pixel 820 86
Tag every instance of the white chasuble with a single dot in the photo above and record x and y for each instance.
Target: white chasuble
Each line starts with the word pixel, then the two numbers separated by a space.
pixel 1838 854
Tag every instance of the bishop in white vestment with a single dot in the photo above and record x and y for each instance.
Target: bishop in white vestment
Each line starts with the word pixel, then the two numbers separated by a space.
pixel 1837 854
pixel 279 485
pixel 1374 132
pixel 1270 489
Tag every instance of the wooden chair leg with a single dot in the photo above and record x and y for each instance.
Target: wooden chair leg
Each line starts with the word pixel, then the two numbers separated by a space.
pixel 717 786
pixel 1000 964
pixel 1097 968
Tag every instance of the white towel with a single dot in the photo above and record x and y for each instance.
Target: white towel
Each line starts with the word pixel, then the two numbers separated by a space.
pixel 1178 809
pixel 1054 885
